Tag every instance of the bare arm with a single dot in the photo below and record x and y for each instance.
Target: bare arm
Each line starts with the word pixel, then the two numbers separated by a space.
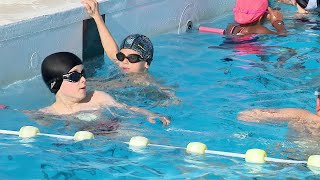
pixel 287 114
pixel 276 19
pixel 109 44
pixel 106 100
pixel 150 115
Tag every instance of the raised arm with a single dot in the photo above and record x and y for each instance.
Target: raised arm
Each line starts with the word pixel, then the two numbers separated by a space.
pixel 276 20
pixel 109 44
pixel 287 114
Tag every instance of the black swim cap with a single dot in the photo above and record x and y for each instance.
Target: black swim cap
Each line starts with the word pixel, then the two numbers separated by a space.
pixel 56 65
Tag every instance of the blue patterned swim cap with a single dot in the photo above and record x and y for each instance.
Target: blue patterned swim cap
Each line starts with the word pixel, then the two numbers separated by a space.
pixel 139 43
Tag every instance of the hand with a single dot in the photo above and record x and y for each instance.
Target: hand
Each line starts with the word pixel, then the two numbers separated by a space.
pixel 274 15
pixel 165 121
pixel 92 7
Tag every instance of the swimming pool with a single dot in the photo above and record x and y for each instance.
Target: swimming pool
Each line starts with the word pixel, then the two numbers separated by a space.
pixel 214 84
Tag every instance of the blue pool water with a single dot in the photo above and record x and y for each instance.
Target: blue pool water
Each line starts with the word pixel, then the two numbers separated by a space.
pixel 213 85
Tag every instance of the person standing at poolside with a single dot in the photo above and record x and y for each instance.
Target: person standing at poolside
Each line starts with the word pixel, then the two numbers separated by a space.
pixel 249 16
pixel 64 75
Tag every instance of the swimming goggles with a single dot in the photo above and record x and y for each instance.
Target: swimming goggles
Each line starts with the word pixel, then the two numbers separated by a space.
pixel 73 76
pixel 132 58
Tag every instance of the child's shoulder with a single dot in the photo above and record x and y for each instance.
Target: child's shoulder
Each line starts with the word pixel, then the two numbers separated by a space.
pixel 46 110
pixel 102 98
pixel 99 95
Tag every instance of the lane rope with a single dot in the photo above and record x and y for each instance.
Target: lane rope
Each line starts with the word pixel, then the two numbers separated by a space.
pixel 252 155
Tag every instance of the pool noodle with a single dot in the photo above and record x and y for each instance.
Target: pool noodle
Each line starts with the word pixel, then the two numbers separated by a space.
pixel 211 30
pixel 2 106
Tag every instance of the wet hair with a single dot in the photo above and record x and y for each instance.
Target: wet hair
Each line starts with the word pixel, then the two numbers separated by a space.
pixel 140 43
pixel 56 65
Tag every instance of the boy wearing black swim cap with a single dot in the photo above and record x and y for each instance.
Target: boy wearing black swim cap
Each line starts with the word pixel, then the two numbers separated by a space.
pixel 64 75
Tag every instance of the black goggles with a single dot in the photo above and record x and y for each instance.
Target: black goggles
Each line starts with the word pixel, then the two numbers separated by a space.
pixel 132 58
pixel 73 76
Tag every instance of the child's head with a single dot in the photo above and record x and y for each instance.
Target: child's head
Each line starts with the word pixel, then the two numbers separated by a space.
pixel 249 11
pixel 57 67
pixel 306 5
pixel 136 53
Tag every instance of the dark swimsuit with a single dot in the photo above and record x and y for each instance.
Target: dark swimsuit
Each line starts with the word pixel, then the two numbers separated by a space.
pixel 233 32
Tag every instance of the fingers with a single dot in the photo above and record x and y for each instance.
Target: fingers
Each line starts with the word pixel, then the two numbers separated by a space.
pixel 270 10
pixel 88 8
pixel 90 5
pixel 151 120
pixel 274 15
pixel 274 12
pixel 165 121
